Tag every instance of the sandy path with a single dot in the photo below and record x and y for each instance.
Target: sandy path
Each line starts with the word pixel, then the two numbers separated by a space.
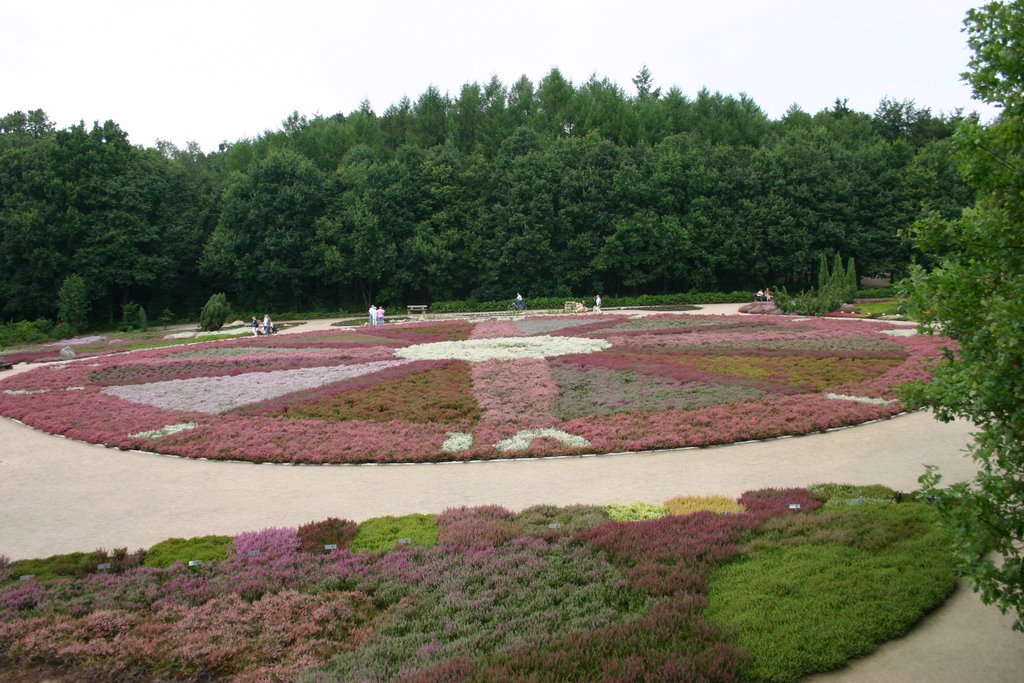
pixel 58 495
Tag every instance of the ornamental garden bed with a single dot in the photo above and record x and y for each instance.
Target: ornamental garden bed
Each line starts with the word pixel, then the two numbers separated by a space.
pixel 773 586
pixel 466 390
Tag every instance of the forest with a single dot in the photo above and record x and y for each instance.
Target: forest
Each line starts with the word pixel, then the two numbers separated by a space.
pixel 549 189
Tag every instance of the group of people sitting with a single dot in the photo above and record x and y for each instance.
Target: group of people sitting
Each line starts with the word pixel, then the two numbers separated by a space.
pixel 765 294
pixel 265 326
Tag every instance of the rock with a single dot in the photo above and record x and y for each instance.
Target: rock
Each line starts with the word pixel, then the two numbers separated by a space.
pixel 67 353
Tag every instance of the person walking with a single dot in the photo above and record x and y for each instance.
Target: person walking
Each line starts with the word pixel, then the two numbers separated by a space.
pixel 597 304
pixel 373 314
pixel 380 315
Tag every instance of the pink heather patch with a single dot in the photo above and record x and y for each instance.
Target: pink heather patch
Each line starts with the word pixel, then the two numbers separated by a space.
pixel 219 394
pixel 491 329
pixel 721 424
pixel 268 439
pixel 519 393
pixel 744 378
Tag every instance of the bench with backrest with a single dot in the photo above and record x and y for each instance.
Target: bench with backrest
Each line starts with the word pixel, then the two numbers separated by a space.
pixel 417 308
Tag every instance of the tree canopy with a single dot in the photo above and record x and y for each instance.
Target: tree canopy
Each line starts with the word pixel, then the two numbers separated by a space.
pixel 974 294
pixel 551 188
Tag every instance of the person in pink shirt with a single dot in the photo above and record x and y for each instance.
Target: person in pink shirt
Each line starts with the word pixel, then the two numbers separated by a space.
pixel 380 315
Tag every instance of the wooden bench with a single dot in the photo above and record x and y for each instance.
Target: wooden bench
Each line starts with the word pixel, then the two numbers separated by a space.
pixel 417 308
pixel 5 366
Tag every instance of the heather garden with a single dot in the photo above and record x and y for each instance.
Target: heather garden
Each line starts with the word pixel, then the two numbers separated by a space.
pixel 772 586
pixel 443 390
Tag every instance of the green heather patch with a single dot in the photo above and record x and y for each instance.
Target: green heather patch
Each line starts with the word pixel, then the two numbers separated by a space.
pixel 383 533
pixel 442 395
pixel 806 372
pixel 205 548
pixel 688 505
pixel 853 343
pixel 540 520
pixel 850 494
pixel 635 512
pixel 585 391
pixel 818 590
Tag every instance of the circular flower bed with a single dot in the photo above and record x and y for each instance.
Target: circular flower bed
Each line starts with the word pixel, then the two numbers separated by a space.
pixel 456 390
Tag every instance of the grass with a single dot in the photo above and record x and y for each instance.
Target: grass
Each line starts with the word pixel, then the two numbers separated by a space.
pixel 879 308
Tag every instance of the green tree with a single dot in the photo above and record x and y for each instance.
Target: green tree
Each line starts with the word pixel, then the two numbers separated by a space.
pixel 215 313
pixel 975 295
pixel 73 302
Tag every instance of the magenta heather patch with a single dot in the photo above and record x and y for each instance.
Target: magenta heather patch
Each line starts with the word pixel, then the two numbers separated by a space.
pixel 542 385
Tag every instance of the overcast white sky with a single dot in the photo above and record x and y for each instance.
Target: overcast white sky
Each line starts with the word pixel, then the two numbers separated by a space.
pixel 219 70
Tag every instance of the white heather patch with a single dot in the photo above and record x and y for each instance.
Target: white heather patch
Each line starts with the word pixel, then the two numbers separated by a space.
pixel 165 431
pixel 77 342
pixel 901 332
pixel 457 442
pixel 236 332
pixel 74 388
pixel 24 392
pixel 860 399
pixel 522 440
pixel 219 394
pixel 501 348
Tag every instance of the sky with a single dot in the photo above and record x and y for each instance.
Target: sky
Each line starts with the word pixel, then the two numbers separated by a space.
pixel 212 71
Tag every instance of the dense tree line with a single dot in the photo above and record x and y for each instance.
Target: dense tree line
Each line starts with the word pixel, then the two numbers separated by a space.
pixel 548 189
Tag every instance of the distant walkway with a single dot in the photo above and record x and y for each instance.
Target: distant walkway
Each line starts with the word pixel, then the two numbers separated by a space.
pixel 59 495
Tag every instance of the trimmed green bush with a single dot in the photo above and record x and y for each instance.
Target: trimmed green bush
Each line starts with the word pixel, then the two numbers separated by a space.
pixel 205 548
pixel 73 302
pixel 556 302
pixel 382 533
pixel 215 313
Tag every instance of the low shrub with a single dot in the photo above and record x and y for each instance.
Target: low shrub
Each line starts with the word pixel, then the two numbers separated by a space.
pixel 556 302
pixel 811 605
pixel 331 531
pixel 54 567
pixel 215 313
pixel 635 512
pixel 470 526
pixel 382 533
pixel 850 494
pixel 538 520
pixel 687 505
pixel 779 501
pixel 25 332
pixel 205 548
pixel 73 565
